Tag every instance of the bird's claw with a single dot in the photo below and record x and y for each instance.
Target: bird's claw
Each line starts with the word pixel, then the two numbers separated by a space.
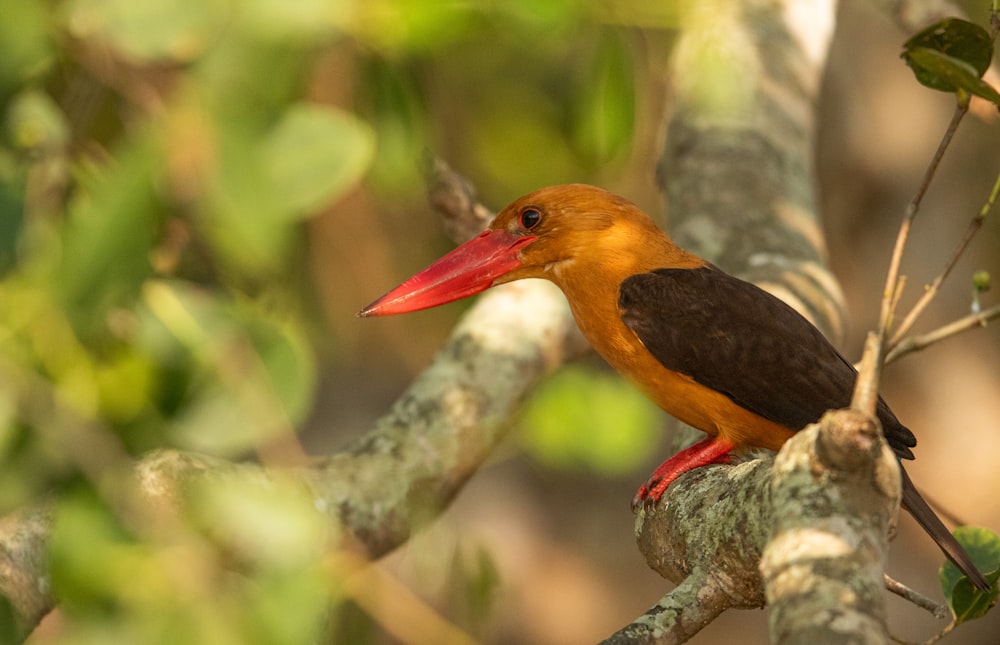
pixel 647 496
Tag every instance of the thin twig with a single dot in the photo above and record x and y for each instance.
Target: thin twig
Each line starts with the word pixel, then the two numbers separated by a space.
pixel 399 611
pixel 916 343
pixel 936 609
pixel 866 387
pixel 930 641
pixel 944 632
pixel 892 279
pixel 865 397
pixel 454 197
pixel 974 226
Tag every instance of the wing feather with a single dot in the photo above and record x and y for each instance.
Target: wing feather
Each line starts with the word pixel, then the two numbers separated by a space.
pixel 736 338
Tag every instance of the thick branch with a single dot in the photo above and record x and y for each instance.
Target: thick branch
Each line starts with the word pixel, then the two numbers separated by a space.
pixel 445 425
pixel 817 523
pixel 737 165
pixel 706 534
pixel 679 615
pixel 24 578
pixel 835 493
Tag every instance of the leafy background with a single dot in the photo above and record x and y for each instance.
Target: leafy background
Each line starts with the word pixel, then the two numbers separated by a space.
pixel 195 198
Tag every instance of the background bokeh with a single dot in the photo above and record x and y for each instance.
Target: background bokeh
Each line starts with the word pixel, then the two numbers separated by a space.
pixel 196 198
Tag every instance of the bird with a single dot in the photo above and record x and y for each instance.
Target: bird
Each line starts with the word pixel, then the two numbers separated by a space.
pixel 714 351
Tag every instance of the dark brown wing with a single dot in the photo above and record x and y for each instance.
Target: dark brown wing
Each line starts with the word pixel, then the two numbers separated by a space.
pixel 736 338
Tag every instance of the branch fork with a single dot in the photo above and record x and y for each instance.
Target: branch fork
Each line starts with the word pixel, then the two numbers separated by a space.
pixel 776 532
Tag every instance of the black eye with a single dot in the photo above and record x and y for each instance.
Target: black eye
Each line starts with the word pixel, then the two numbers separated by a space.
pixel 530 217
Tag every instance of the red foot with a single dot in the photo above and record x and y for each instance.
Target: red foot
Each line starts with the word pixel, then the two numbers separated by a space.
pixel 708 451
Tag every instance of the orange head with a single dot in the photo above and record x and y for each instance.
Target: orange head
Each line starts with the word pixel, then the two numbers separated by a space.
pixel 553 233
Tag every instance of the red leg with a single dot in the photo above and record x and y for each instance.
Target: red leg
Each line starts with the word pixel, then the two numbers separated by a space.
pixel 708 451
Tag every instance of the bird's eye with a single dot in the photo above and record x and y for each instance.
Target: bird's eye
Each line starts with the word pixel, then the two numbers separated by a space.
pixel 530 217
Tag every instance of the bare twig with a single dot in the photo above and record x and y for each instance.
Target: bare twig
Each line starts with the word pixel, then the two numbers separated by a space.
pixel 932 290
pixel 865 396
pixel 912 344
pixel 936 609
pixel 866 387
pixel 944 632
pixel 930 641
pixel 893 285
pixel 892 281
pixel 404 615
pixel 454 197
pixel 900 346
pixel 947 629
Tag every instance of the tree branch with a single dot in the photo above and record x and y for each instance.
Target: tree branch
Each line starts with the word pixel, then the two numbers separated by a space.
pixel 836 493
pixel 815 520
pixel 917 343
pixel 679 615
pixel 737 171
pixel 24 579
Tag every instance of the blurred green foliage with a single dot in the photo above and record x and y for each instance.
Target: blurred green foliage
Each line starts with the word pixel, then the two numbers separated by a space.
pixel 585 419
pixel 159 163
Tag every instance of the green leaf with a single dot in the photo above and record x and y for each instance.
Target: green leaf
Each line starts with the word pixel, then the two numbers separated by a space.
pixel 36 123
pixel 255 377
pixel 301 21
pixel 476 580
pixel 112 224
pixel 941 72
pixel 289 365
pixel 606 105
pixel 952 56
pixel 966 601
pixel 245 220
pixel 413 25
pixel 11 221
pixel 958 39
pixel 266 181
pixel 124 385
pixel 150 30
pixel 285 606
pixel 26 47
pixel 314 155
pixel 398 112
pixel 597 420
pixel 91 554
pixel 9 627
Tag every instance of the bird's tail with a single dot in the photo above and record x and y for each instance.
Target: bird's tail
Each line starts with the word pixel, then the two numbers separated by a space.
pixel 931 523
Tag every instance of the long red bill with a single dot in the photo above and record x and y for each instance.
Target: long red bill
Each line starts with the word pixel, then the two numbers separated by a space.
pixel 469 269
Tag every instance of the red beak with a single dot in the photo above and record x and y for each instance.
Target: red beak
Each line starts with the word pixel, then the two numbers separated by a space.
pixel 469 269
